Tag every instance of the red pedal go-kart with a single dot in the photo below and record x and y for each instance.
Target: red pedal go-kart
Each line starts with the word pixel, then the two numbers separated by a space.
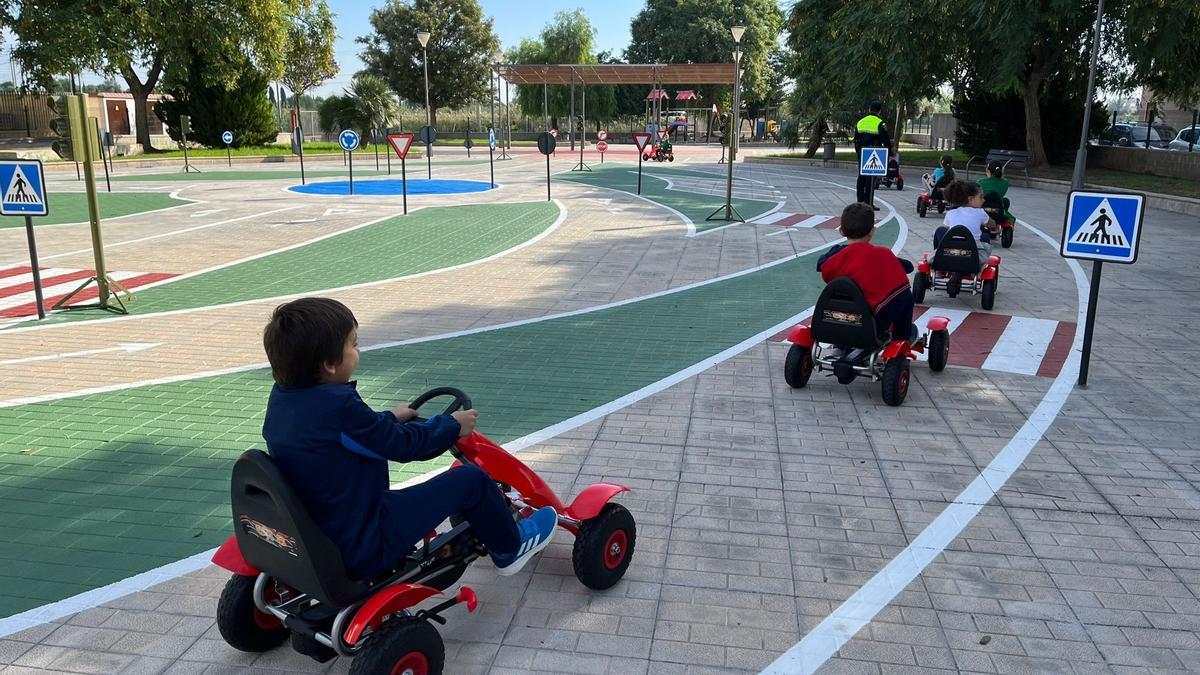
pixel 928 200
pixel 955 267
pixel 997 207
pixel 844 340
pixel 289 581
pixel 662 152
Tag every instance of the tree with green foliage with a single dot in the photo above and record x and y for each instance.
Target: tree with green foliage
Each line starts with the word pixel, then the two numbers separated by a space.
pixel 242 109
pixel 376 103
pixel 460 51
pixel 339 112
pixel 566 39
pixel 308 59
pixel 697 31
pixel 125 36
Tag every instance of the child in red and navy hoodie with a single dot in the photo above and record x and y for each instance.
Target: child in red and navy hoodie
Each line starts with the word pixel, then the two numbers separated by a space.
pixel 882 276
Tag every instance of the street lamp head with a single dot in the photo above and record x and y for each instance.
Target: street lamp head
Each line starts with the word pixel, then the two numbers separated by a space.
pixel 498 57
pixel 423 37
pixel 737 31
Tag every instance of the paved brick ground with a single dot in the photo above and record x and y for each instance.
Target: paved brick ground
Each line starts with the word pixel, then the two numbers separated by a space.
pixel 761 508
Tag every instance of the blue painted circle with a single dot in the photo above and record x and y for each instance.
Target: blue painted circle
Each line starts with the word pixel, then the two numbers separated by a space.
pixel 348 139
pixel 227 137
pixel 392 186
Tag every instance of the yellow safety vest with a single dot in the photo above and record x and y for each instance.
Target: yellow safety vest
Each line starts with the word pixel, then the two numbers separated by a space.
pixel 869 124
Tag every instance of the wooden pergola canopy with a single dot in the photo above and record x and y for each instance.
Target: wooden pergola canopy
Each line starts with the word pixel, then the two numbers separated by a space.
pixel 617 73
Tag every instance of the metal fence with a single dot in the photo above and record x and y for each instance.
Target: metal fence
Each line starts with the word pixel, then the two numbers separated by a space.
pixel 24 115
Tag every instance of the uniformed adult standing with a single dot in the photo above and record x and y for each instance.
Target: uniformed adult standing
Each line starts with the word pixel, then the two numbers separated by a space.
pixel 870 132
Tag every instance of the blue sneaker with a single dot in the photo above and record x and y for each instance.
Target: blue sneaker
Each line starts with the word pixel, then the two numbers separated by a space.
pixel 536 532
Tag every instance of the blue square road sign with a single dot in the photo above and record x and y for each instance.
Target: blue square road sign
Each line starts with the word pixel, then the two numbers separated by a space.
pixel 873 162
pixel 1103 226
pixel 22 188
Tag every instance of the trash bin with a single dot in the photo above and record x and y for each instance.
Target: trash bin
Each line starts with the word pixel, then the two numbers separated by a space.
pixel 830 148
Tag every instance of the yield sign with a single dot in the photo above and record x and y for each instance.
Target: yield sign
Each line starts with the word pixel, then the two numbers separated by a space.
pixel 641 139
pixel 400 143
pixel 662 133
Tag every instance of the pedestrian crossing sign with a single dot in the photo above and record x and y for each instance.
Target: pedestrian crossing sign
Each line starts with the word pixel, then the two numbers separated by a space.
pixel 873 162
pixel 1103 226
pixel 23 188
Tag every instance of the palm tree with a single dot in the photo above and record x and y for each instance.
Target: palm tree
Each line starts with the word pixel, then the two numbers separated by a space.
pixel 374 101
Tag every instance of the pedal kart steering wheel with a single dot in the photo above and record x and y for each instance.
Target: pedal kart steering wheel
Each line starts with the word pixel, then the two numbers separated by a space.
pixel 461 400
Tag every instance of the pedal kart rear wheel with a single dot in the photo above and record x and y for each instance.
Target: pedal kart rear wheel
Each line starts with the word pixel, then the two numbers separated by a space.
pixel 920 283
pixel 939 350
pixel 900 183
pixel 941 207
pixel 798 366
pixel 895 381
pixel 988 294
pixel 604 547
pixel 241 623
pixel 1006 237
pixel 922 207
pixel 402 646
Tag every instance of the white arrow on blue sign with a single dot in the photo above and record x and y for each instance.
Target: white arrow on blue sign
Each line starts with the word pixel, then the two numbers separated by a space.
pixel 348 139
pixel 23 188
pixel 873 162
pixel 1103 226
pixel 227 137
pixel 492 138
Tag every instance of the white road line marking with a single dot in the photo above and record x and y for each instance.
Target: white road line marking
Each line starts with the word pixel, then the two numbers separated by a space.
pixel 99 596
pixel 822 642
pixel 1022 346
pixel 773 218
pixel 127 347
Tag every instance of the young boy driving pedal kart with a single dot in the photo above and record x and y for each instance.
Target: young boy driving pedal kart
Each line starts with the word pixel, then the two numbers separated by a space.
pixel 882 276
pixel 334 450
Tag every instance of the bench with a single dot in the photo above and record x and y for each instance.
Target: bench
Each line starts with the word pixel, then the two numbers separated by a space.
pixel 1015 159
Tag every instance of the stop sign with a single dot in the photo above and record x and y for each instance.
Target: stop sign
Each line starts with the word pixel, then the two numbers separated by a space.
pixel 602 134
pixel 602 146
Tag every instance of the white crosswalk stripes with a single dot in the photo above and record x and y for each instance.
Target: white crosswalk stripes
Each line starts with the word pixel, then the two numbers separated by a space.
pixel 956 316
pixel 1022 346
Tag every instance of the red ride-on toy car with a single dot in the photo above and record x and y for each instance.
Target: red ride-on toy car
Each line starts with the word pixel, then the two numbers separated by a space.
pixel 843 339
pixel 289 581
pixel 893 177
pixel 955 267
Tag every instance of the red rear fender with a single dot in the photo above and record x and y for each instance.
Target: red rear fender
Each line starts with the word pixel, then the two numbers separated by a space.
pixel 801 335
pixel 994 260
pixel 229 556
pixel 387 601
pixel 988 272
pixel 592 499
pixel 939 323
pixel 923 266
pixel 505 468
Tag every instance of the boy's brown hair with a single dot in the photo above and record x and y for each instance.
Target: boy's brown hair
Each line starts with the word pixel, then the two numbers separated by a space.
pixel 304 335
pixel 858 220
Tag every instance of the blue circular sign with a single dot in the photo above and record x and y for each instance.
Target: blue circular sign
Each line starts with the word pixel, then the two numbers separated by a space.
pixel 227 137
pixel 492 138
pixel 348 139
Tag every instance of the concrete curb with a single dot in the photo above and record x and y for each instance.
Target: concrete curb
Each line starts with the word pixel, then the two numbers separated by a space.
pixel 1155 200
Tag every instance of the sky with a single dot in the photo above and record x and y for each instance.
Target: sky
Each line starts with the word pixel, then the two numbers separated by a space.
pixel 513 20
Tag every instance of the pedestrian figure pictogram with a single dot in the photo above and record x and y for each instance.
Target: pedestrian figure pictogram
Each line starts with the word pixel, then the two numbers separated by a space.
pixel 23 189
pixel 1099 233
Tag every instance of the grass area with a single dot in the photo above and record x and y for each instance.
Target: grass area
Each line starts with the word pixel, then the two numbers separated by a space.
pixel 71 207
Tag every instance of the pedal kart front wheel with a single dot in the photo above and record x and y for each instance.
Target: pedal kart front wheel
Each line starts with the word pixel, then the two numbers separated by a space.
pixel 988 294
pixel 900 183
pixel 405 645
pixel 604 547
pixel 895 381
pixel 798 366
pixel 1006 237
pixel 920 284
pixel 939 350
pixel 242 624
pixel 922 207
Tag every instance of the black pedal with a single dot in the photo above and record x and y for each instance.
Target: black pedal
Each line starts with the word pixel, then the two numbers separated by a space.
pixel 309 647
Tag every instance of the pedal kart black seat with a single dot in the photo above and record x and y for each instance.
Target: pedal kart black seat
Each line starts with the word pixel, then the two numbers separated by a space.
pixel 277 535
pixel 843 317
pixel 958 252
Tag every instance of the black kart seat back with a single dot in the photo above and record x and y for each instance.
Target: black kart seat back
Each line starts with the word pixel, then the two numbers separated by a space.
pixel 843 317
pixel 958 252
pixel 276 534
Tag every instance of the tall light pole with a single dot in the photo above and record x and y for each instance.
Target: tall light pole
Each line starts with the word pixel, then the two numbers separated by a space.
pixel 423 38
pixel 731 213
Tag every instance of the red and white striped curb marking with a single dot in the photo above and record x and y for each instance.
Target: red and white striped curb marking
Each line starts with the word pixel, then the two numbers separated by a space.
pixel 16 287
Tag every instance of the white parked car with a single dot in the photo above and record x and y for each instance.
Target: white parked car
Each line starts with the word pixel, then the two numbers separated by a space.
pixel 1186 135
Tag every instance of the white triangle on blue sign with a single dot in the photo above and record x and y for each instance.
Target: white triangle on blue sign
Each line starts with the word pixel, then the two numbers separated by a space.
pixel 19 191
pixel 873 162
pixel 1101 227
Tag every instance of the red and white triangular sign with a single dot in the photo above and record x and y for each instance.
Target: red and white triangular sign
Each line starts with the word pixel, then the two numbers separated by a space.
pixel 400 143
pixel 641 139
pixel 662 133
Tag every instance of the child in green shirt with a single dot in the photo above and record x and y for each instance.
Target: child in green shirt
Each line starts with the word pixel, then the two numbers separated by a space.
pixel 995 186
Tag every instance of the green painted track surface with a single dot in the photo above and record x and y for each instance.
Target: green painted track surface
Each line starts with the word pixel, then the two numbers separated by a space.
pixel 101 487
pixel 71 207
pixel 269 174
pixel 429 239
pixel 695 206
